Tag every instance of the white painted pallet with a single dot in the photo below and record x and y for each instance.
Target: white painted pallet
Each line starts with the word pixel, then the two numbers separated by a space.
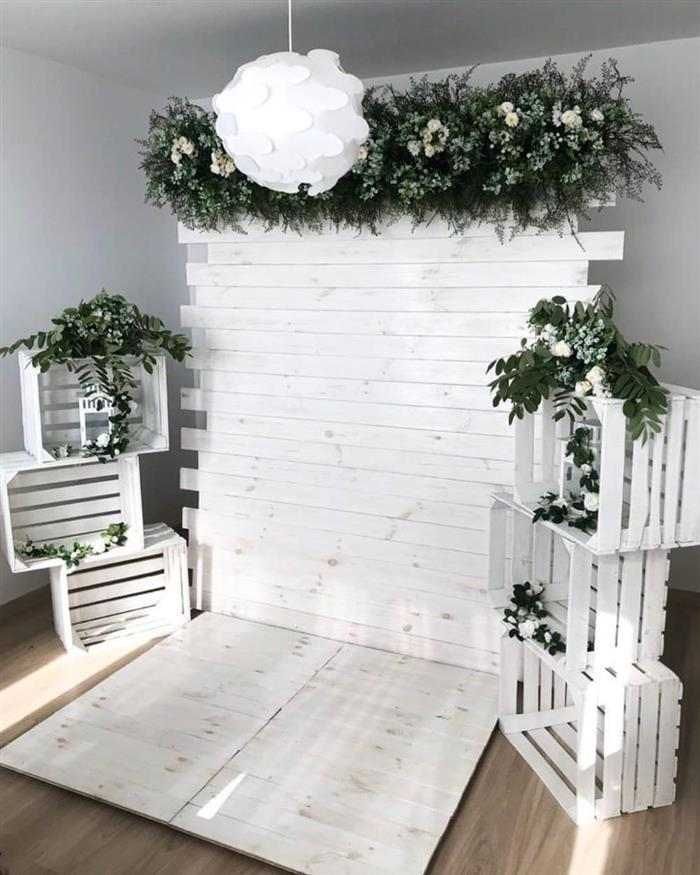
pixel 314 755
pixel 50 414
pixel 65 502
pixel 145 593
pixel 350 446
pixel 603 744
pixel 648 491
pixel 610 609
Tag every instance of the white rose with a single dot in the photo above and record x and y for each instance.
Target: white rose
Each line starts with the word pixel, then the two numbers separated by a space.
pixel 506 107
pixel 547 637
pixel 583 387
pixel 429 150
pixel 100 547
pixel 185 146
pixel 522 612
pixel 585 469
pixel 414 147
pixel 560 349
pixel 102 439
pixel 434 125
pixel 559 502
pixel 527 628
pixel 597 115
pixel 596 375
pixel 590 501
pixel 175 157
pixel 571 118
pixel 512 119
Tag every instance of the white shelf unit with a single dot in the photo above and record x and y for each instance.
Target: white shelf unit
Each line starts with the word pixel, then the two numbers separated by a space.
pixel 144 593
pixel 603 744
pixel 66 502
pixel 50 414
pixel 649 494
pixel 610 609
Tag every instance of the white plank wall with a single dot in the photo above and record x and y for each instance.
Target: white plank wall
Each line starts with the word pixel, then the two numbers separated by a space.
pixel 350 446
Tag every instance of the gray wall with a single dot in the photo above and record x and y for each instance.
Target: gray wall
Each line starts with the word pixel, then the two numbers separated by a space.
pixel 73 220
pixel 657 282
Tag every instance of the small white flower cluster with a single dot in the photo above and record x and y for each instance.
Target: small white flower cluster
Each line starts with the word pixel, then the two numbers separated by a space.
pixel 527 622
pixel 181 146
pixel 362 153
pixel 594 382
pixel 434 136
pixel 222 164
pixel 509 113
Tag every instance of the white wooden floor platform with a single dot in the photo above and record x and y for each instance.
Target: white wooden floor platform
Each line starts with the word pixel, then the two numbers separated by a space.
pixel 318 756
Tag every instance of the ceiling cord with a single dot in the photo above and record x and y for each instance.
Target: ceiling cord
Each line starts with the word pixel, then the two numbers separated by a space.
pixel 289 19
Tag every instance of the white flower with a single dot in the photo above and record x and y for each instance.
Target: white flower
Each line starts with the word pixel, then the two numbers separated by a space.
pixel 511 619
pixel 590 501
pixel 585 468
pixel 434 125
pixel 221 164
pixel 362 153
pixel 100 547
pixel 522 612
pixel 547 637
pixel 175 157
pixel 429 150
pixel 596 375
pixel 185 146
pixel 414 147
pixel 103 439
pixel 596 115
pixel 527 628
pixel 559 502
pixel 572 118
pixel 556 117
pixel 560 349
pixel 583 387
pixel 512 119
pixel 602 391
pixel 506 107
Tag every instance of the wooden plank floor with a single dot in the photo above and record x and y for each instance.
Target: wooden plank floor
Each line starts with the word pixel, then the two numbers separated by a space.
pixel 323 757
pixel 507 823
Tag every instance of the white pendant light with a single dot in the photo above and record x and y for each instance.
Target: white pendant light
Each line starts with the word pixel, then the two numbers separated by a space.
pixel 288 119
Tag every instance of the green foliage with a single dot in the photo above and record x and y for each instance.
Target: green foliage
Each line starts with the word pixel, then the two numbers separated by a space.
pixel 100 341
pixel 569 140
pixel 524 619
pixel 73 554
pixel 575 352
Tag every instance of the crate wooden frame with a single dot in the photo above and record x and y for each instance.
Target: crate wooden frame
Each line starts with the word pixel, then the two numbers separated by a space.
pixel 649 494
pixel 66 502
pixel 50 413
pixel 610 609
pixel 143 593
pixel 603 744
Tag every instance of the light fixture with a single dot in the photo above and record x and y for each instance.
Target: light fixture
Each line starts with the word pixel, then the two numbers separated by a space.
pixel 288 119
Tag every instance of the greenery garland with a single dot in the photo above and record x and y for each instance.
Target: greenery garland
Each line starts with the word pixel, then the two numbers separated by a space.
pixel 524 619
pixel 100 341
pixel 113 536
pixel 533 149
pixel 575 352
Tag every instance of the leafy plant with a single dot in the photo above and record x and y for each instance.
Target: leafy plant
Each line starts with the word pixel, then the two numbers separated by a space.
pixel 533 149
pixel 73 554
pixel 525 619
pixel 100 341
pixel 577 351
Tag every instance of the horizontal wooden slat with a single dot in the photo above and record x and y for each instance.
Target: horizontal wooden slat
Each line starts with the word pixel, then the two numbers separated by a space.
pixel 115 592
pixel 410 300
pixel 352 345
pixel 113 608
pixel 380 392
pixel 77 491
pixel 70 510
pixel 430 418
pixel 121 570
pixel 50 395
pixel 597 245
pixel 49 474
pixel 70 415
pixel 516 273
pixel 400 324
pixel 72 528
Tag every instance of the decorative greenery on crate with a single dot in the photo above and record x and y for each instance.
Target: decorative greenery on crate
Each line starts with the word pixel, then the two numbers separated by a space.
pixel 524 619
pixel 99 341
pixel 579 510
pixel 73 554
pixel 574 352
pixel 535 148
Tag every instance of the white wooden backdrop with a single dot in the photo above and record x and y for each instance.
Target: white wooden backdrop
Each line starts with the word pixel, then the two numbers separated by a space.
pixel 351 447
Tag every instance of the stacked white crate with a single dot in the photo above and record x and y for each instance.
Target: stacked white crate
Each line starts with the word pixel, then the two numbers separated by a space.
pixel 350 447
pixel 599 724
pixel 140 587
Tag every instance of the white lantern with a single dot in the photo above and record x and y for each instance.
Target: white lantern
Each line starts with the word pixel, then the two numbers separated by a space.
pixel 288 119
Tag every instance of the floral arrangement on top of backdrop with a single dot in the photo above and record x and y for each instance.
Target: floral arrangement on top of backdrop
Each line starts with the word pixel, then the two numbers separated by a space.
pixel 574 352
pixel 534 149
pixel 100 340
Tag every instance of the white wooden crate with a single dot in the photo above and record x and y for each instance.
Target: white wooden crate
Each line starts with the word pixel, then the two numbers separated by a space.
pixel 649 494
pixel 610 609
pixel 603 744
pixel 50 409
pixel 66 502
pixel 140 593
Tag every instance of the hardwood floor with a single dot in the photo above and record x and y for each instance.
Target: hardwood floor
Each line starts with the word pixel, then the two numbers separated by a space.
pixel 507 823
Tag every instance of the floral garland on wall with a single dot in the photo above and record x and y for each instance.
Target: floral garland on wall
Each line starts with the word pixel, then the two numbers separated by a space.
pixel 533 149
